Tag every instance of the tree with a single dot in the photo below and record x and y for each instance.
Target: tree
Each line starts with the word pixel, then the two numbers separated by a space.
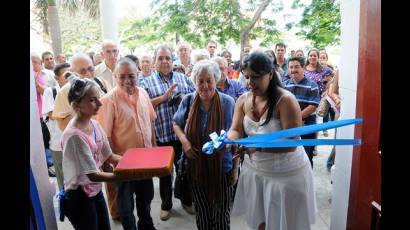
pixel 199 20
pixel 142 32
pixel 79 32
pixel 47 15
pixel 321 22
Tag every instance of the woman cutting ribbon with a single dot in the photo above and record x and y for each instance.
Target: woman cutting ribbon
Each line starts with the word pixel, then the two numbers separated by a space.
pixel 275 188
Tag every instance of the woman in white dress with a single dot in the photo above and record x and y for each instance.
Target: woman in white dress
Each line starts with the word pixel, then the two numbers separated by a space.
pixel 275 188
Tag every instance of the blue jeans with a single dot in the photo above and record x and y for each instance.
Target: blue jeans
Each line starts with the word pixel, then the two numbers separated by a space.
pixel 86 213
pixel 49 158
pixel 144 192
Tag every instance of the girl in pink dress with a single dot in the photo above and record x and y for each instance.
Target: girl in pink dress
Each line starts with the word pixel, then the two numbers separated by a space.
pixel 85 149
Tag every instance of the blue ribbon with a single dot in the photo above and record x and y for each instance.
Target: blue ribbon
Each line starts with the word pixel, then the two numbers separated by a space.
pixel 274 139
pixel 61 197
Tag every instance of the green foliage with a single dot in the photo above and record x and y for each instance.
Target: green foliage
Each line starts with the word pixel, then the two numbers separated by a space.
pixel 90 7
pixel 200 20
pixel 79 32
pixel 40 11
pixel 142 32
pixel 321 22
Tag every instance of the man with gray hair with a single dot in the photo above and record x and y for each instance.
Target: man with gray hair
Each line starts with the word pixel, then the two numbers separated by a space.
pixel 146 68
pixel 109 51
pixel 81 66
pixel 127 117
pixel 184 54
pixel 161 87
pixel 227 86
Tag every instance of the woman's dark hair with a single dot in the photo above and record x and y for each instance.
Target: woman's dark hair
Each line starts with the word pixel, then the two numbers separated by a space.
pixel 261 64
pixel 79 87
pixel 319 67
pixel 271 53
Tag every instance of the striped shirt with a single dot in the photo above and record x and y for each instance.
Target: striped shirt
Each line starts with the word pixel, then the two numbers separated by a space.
pixel 306 93
pixel 156 85
pixel 233 88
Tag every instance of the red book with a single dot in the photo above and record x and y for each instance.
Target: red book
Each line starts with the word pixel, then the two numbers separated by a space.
pixel 143 163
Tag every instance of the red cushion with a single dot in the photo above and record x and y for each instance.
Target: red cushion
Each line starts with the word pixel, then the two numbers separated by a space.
pixel 141 163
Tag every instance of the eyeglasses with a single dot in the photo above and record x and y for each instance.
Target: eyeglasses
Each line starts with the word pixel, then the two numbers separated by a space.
pixel 84 70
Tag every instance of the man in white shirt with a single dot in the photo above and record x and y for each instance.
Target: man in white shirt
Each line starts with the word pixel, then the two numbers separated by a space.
pixel 106 68
pixel 48 60
pixel 55 133
pixel 211 47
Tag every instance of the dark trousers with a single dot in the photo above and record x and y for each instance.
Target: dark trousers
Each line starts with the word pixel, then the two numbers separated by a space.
pixel 86 213
pixel 165 182
pixel 212 216
pixel 144 193
pixel 329 116
pixel 309 149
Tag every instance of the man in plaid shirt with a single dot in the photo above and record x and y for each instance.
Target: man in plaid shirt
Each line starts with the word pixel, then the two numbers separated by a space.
pixel 161 87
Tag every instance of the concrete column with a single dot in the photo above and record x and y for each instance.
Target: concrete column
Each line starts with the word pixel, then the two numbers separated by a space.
pixel 349 60
pixel 109 19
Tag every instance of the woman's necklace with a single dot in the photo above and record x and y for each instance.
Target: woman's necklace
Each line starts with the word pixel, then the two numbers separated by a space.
pixel 256 114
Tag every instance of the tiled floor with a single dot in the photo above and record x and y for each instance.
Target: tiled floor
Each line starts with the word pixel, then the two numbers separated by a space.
pixel 182 221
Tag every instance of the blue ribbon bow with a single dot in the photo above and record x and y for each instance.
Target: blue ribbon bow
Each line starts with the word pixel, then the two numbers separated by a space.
pixel 275 139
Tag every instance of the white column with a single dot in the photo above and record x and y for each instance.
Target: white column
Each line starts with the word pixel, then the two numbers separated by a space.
pixel 109 20
pixel 38 164
pixel 349 60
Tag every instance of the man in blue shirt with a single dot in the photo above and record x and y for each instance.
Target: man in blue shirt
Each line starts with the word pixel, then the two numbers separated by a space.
pixel 306 92
pixel 280 63
pixel 227 86
pixel 161 87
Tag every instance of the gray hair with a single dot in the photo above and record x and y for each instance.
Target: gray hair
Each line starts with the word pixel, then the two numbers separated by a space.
pixel 107 42
pixel 77 57
pixel 184 43
pixel 206 65
pixel 35 56
pixel 125 61
pixel 219 60
pixel 160 48
pixel 199 53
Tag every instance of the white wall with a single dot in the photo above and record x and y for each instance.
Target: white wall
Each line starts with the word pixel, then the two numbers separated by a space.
pixel 350 18
pixel 38 164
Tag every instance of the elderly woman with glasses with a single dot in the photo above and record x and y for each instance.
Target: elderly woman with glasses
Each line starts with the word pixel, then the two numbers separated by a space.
pixel 212 176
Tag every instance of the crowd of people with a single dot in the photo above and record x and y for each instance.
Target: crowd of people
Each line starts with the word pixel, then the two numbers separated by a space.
pixel 96 106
